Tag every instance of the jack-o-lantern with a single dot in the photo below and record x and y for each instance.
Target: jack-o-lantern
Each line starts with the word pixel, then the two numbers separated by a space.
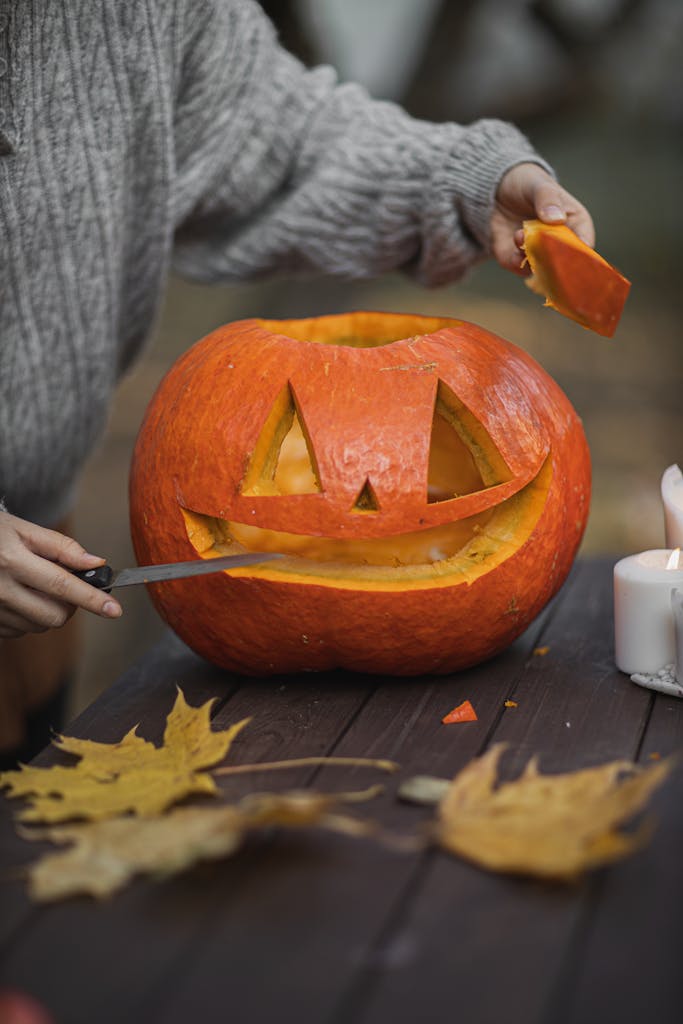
pixel 427 482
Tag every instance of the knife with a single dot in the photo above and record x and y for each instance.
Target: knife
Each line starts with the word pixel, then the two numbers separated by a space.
pixel 105 578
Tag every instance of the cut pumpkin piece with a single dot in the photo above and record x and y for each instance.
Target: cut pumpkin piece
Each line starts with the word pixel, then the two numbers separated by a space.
pixel 573 278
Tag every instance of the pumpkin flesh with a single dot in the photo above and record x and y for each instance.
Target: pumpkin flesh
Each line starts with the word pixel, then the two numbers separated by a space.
pixel 573 278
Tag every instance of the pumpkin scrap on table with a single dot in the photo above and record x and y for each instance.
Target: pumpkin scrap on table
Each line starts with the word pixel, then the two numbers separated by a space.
pixel 573 278
pixel 462 713
pixel 418 474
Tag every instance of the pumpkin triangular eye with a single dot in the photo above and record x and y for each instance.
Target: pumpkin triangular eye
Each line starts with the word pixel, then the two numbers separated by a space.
pixel 462 456
pixel 282 461
pixel 366 500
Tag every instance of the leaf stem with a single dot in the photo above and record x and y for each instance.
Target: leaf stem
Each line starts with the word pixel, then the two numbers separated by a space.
pixel 307 762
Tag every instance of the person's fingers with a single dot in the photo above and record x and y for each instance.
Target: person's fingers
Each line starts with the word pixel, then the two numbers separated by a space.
pixel 525 192
pixel 56 546
pixel 505 247
pixel 554 205
pixel 510 257
pixel 550 202
pixel 12 626
pixel 581 223
pixel 27 611
pixel 39 560
pixel 56 582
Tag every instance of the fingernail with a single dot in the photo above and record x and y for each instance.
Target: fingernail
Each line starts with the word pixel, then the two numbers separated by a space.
pixel 552 213
pixel 112 610
pixel 91 559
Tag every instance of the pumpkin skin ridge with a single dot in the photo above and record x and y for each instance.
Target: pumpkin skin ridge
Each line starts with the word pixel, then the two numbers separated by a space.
pixel 256 626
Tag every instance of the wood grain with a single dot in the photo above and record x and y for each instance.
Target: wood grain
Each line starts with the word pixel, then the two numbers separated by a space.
pixel 318 928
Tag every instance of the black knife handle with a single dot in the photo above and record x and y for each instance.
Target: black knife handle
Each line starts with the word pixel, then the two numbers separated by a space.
pixel 101 577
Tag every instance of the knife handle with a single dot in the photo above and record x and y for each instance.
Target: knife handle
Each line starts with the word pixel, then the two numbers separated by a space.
pixel 101 577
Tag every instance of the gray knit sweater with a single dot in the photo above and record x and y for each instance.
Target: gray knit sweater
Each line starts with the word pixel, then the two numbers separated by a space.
pixel 134 132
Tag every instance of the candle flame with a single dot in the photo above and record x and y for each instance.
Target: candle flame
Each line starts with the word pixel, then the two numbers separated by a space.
pixel 674 559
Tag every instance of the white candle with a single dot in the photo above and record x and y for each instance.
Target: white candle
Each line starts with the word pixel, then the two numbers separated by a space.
pixel 672 496
pixel 677 608
pixel 644 636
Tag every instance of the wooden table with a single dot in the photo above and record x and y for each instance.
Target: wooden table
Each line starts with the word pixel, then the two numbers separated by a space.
pixel 315 928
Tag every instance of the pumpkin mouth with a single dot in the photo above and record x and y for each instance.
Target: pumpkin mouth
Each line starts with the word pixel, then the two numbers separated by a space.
pixel 466 548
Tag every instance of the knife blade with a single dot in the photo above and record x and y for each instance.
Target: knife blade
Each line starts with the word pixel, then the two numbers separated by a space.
pixel 106 578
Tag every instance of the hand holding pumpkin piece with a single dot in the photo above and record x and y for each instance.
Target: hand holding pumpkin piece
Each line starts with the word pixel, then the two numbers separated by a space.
pixel 36 590
pixel 526 191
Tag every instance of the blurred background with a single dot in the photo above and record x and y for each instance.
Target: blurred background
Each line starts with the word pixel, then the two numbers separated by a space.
pixel 598 87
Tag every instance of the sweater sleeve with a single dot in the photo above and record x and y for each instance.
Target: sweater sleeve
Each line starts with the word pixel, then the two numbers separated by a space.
pixel 280 168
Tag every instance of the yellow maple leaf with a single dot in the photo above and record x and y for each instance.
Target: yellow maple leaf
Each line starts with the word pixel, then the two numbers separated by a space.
pixel 549 826
pixel 104 855
pixel 131 776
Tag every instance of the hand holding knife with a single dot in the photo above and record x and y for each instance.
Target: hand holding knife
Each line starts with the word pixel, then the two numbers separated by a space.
pixel 43 572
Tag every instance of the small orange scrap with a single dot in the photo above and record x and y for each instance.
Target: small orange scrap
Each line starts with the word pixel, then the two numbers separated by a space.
pixel 541 651
pixel 463 713
pixel 654 756
pixel 510 703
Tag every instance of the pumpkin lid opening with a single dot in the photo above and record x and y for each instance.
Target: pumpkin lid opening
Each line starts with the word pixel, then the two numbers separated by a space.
pixel 356 330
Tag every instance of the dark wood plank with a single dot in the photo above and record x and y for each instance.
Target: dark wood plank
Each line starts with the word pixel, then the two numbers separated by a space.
pixel 629 967
pixel 498 947
pixel 306 911
pixel 124 949
pixel 291 717
pixel 317 928
pixel 143 696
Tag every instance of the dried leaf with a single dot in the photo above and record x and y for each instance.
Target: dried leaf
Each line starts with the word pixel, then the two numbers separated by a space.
pixel 463 713
pixel 131 776
pixel 550 826
pixel 105 855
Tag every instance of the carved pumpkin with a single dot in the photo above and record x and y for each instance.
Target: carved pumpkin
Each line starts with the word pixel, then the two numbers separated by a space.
pixel 573 278
pixel 427 481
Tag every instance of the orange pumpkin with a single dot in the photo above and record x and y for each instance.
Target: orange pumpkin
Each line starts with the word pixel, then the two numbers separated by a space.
pixel 427 481
pixel 573 278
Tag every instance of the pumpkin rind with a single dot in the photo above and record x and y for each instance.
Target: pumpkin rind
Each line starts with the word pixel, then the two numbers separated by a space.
pixel 574 279
pixel 367 415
